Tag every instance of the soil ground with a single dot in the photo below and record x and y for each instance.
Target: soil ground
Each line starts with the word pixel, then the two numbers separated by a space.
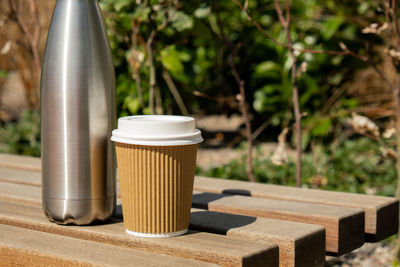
pixel 369 255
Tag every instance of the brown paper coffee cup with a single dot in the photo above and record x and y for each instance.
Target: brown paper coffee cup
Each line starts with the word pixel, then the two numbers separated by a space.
pixel 156 187
pixel 156 156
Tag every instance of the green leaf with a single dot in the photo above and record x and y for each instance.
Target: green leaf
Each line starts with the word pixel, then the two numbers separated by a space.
pixel 181 21
pixel 126 21
pixel 171 59
pixel 258 105
pixel 3 74
pixel 132 104
pixel 350 32
pixel 337 60
pixel 363 7
pixel 120 4
pixel 312 89
pixel 322 127
pixel 266 20
pixel 202 12
pixel 331 26
pixel 259 101
pixel 141 12
pixel 335 79
pixel 349 103
pixel 305 139
pixel 267 69
pixel 185 56
pixel 107 4
pixel 268 97
pixel 146 111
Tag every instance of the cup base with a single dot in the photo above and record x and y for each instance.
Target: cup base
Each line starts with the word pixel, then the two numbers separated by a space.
pixel 156 235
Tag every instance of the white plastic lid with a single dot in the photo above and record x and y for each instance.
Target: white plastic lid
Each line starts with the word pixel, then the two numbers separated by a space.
pixel 157 130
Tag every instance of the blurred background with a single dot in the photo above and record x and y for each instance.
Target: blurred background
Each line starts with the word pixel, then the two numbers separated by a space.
pixel 193 57
pixel 176 57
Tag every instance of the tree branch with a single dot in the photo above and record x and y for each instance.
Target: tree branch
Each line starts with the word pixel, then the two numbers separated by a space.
pixel 169 18
pixel 383 76
pixel 395 22
pixel 243 108
pixel 260 129
pixel 221 26
pixel 312 51
pixel 229 99
pixel 257 25
pixel 135 32
pixel 152 70
pixel 175 93
pixel 32 38
pixel 242 97
pixel 295 91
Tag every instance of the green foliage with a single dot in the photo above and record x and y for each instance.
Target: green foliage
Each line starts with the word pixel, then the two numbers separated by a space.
pixel 22 137
pixel 181 21
pixel 3 74
pixel 331 26
pixel 354 165
pixel 190 43
pixel 172 60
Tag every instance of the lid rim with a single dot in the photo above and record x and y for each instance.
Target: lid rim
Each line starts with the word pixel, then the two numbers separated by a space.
pixel 157 130
pixel 119 133
pixel 165 119
pixel 157 143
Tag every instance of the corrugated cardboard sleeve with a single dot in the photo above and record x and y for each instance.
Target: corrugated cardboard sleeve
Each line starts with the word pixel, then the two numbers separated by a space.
pixel 156 186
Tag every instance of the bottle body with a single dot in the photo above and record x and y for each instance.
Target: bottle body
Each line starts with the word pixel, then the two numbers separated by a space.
pixel 77 116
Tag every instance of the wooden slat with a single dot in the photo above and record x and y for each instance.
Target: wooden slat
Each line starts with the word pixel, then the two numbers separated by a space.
pixel 19 162
pixel 20 193
pixel 381 213
pixel 207 247
pixel 23 193
pixel 294 239
pixel 19 176
pixel 344 226
pixel 300 245
pixel 26 177
pixel 26 194
pixel 23 247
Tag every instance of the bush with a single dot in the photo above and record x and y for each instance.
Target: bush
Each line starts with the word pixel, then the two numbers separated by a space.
pixel 354 165
pixel 23 136
pixel 192 49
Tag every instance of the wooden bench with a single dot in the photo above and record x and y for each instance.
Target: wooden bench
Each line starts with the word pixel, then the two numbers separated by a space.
pixel 233 223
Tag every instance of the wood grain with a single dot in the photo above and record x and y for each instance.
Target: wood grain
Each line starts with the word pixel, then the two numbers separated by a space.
pixel 344 226
pixel 23 247
pixel 300 245
pixel 26 177
pixel 349 227
pixel 20 176
pixel 294 239
pixel 381 213
pixel 21 193
pixel 19 162
pixel 207 247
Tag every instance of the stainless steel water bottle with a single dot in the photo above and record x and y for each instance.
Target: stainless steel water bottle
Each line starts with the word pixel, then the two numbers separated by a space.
pixel 77 116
